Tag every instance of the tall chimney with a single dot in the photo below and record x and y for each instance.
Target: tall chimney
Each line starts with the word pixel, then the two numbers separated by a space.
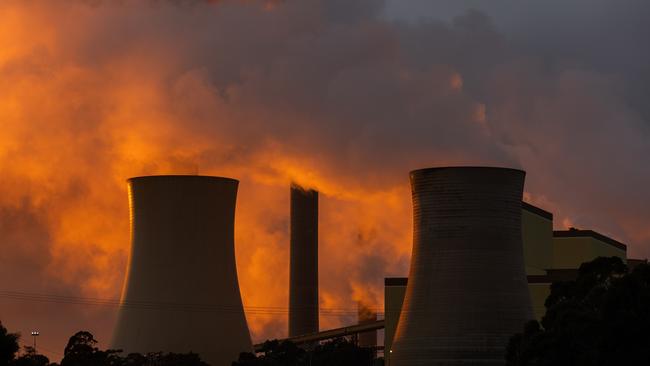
pixel 181 292
pixel 467 291
pixel 303 283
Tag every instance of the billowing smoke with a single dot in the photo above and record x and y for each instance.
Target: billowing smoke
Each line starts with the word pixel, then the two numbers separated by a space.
pixel 329 94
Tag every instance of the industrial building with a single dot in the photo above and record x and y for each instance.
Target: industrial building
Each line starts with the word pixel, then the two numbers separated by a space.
pixel 482 264
pixel 553 256
pixel 181 292
pixel 394 292
pixel 549 256
pixel 473 237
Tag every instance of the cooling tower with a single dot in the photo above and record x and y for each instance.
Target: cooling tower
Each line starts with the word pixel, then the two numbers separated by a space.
pixel 303 281
pixel 181 292
pixel 467 291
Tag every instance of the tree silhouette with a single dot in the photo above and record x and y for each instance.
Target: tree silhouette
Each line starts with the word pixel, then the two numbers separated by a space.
pixel 339 352
pixel 81 350
pixel 8 345
pixel 31 358
pixel 175 359
pixel 600 319
pixel 275 353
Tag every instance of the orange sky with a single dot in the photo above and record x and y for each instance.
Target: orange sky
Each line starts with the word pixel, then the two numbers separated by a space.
pixel 73 132
pixel 93 94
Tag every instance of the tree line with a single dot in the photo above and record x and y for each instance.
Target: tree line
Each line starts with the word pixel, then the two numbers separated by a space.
pixel 338 352
pixel 600 319
pixel 82 350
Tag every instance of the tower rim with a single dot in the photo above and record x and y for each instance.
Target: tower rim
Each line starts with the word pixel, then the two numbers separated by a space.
pixel 182 176
pixel 466 167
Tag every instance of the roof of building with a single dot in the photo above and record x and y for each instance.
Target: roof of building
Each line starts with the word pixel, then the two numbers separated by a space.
pixel 575 233
pixel 536 210
pixel 396 281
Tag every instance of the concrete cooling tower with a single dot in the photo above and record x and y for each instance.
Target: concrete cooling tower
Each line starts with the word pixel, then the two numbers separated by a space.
pixel 303 273
pixel 181 292
pixel 467 291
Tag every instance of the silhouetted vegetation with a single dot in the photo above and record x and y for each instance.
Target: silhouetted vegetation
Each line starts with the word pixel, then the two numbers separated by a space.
pixel 31 358
pixel 338 352
pixel 601 318
pixel 9 348
pixel 82 350
pixel 8 345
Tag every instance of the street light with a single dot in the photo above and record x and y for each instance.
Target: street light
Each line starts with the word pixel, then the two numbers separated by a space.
pixel 35 334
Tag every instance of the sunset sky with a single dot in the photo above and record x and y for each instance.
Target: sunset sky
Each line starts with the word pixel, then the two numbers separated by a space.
pixel 345 96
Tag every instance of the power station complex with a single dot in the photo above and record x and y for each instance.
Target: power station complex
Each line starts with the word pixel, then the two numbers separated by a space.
pixel 482 264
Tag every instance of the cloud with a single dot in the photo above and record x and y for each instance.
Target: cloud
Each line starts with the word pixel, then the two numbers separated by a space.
pixel 329 94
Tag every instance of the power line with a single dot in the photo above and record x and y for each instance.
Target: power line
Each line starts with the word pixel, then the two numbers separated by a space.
pixel 163 306
pixel 40 347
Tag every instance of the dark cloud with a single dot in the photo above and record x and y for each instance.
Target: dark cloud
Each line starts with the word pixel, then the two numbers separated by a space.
pixel 565 84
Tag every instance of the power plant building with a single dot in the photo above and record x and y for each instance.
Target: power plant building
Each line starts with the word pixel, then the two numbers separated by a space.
pixel 181 292
pixel 549 256
pixel 573 247
pixel 569 248
pixel 394 292
pixel 537 235
pixel 482 264
pixel 553 256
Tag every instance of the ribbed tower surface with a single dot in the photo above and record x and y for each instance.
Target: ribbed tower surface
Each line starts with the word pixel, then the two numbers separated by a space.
pixel 467 292
pixel 181 292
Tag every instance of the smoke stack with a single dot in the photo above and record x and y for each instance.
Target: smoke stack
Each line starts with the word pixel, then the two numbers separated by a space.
pixel 303 283
pixel 467 291
pixel 181 292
